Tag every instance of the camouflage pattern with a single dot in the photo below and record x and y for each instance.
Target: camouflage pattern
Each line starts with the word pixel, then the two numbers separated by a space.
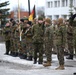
pixel 60 42
pixel 16 39
pixel 48 41
pixel 70 39
pixel 28 38
pixel 74 38
pixel 7 34
pixel 23 42
pixel 38 32
pixel 54 36
pixel 12 39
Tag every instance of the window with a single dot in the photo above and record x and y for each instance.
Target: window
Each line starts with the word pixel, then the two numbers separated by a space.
pixel 50 16
pixel 63 3
pixel 71 3
pixel 55 3
pixel 51 4
pixel 48 4
pixel 66 2
pixel 58 3
pixel 56 17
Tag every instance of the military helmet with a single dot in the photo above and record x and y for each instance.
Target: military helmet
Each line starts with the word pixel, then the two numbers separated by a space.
pixel 48 20
pixel 60 20
pixel 40 18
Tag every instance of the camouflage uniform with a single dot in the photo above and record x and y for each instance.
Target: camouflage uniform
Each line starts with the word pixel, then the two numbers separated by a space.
pixel 54 39
pixel 70 41
pixel 37 32
pixel 29 46
pixel 48 40
pixel 48 36
pixel 23 50
pixel 60 43
pixel 12 40
pixel 74 35
pixel 16 40
pixel 7 34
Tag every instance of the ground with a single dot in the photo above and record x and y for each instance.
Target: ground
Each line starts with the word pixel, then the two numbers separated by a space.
pixel 15 66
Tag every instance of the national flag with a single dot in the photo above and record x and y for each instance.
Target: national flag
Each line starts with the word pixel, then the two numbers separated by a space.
pixel 32 15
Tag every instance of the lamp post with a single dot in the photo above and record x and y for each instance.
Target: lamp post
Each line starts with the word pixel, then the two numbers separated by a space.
pixel 29 6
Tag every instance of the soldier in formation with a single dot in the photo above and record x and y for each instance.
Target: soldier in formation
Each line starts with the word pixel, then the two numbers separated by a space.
pixel 7 34
pixel 48 41
pixel 60 43
pixel 31 40
pixel 38 32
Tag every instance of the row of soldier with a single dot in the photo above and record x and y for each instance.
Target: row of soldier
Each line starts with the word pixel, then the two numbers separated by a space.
pixel 31 40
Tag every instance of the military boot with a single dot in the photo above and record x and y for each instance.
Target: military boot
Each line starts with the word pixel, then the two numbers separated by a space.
pixel 35 60
pixel 61 67
pixel 47 64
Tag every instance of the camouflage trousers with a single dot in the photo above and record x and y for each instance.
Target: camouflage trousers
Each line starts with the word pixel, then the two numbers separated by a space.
pixel 16 45
pixel 75 45
pixel 12 48
pixel 70 46
pixel 38 48
pixel 7 43
pixel 22 47
pixel 60 54
pixel 29 48
pixel 48 51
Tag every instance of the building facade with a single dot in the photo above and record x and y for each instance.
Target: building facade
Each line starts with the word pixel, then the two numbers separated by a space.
pixel 59 8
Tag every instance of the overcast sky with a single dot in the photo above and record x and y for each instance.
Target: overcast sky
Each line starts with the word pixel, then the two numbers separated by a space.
pixel 24 3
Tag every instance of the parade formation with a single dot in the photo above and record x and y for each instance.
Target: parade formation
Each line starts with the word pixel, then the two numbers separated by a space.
pixel 38 35
pixel 31 39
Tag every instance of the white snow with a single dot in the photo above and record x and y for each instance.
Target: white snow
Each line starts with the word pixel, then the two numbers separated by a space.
pixel 70 65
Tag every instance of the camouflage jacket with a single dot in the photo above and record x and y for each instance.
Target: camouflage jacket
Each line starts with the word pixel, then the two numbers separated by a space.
pixel 61 35
pixel 7 33
pixel 38 33
pixel 48 34
pixel 28 35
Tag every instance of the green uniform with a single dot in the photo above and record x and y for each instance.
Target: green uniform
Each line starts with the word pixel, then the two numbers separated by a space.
pixel 38 32
pixel 60 43
pixel 74 33
pixel 48 41
pixel 29 46
pixel 7 34
pixel 70 41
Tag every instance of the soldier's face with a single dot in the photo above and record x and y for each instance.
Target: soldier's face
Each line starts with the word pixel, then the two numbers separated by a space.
pixel 40 21
pixel 46 23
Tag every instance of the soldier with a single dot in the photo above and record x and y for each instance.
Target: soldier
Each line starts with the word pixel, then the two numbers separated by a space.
pixel 74 36
pixel 60 43
pixel 54 36
pixel 7 34
pixel 12 23
pixel 70 41
pixel 23 51
pixel 48 41
pixel 28 37
pixel 38 32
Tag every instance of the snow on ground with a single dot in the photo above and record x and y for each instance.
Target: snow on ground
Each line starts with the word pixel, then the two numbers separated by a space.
pixel 70 65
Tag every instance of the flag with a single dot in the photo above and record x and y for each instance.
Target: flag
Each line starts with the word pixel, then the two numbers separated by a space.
pixel 32 15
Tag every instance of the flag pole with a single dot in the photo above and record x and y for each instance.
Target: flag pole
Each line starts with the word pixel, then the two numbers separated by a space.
pixel 29 6
pixel 19 19
pixel 19 11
